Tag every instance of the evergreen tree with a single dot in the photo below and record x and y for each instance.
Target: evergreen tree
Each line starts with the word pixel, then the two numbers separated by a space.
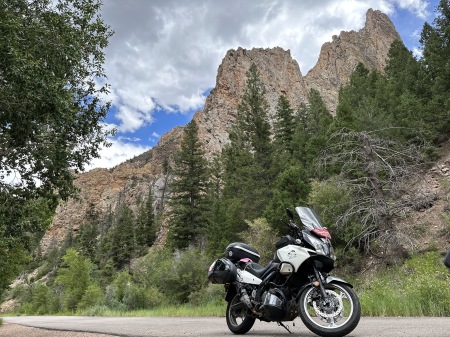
pixel 122 237
pixel 313 125
pixel 253 119
pixel 248 159
pixel 188 199
pixel 87 243
pixel 284 128
pixel 218 234
pixel 284 124
pixel 436 54
pixel 145 230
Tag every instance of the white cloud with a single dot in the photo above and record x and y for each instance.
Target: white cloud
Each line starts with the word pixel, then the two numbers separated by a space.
pixel 165 53
pixel 116 154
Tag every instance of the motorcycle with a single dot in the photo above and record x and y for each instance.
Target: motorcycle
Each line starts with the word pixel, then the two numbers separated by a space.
pixel 295 283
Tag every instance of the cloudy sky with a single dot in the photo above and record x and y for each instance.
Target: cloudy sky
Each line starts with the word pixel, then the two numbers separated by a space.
pixel 162 60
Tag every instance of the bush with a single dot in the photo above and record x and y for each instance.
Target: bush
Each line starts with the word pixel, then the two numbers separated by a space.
pixel 175 276
pixel 261 236
pixel 417 288
pixel 140 298
pixel 212 294
pixel 92 297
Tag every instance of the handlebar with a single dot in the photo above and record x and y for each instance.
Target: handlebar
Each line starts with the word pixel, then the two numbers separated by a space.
pixel 292 226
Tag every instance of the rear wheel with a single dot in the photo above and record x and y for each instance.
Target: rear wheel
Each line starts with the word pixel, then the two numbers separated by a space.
pixel 239 318
pixel 335 316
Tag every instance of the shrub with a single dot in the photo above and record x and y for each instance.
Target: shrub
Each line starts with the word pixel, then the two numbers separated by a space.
pixel 262 237
pixel 175 276
pixel 93 296
pixel 212 294
pixel 417 288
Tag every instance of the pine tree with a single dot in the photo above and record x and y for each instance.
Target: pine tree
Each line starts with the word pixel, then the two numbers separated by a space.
pixel 284 126
pixel 436 53
pixel 253 118
pixel 122 237
pixel 218 234
pixel 312 130
pixel 145 230
pixel 248 159
pixel 188 201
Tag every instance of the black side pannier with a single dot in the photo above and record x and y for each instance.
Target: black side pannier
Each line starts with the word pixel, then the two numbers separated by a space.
pixel 222 271
pixel 447 259
pixel 238 250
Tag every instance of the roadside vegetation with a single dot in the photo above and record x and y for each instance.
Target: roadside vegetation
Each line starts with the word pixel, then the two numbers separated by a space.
pixel 358 169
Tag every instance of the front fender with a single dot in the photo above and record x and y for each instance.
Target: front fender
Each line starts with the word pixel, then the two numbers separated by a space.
pixel 334 279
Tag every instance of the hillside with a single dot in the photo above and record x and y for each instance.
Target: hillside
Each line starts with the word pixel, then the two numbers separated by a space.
pixel 101 189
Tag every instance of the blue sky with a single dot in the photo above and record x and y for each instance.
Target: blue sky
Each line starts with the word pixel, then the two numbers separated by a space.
pixel 163 59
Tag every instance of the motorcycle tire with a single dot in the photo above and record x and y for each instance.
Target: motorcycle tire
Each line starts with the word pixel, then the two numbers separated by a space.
pixel 239 318
pixel 337 316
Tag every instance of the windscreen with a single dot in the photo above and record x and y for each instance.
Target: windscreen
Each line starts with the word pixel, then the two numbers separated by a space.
pixel 308 218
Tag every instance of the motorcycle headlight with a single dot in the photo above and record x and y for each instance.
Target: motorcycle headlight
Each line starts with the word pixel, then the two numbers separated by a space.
pixel 322 246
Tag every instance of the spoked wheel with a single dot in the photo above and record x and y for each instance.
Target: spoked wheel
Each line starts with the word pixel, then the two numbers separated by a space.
pixel 239 318
pixel 335 316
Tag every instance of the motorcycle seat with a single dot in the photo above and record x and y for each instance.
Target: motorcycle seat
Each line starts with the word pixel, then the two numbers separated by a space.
pixel 258 270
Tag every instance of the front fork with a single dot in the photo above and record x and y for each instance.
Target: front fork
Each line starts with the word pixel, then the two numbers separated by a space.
pixel 318 283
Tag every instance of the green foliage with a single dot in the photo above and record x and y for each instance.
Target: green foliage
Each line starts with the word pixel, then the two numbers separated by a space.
pixel 218 232
pixel 291 188
pixel 188 199
pixel 312 132
pixel 13 258
pixel 52 54
pixel 93 296
pixel 332 199
pixel 175 276
pixel 417 288
pixel 212 294
pixel 122 237
pixel 248 159
pixel 261 236
pixel 436 52
pixel 145 224
pixel 284 126
pixel 74 277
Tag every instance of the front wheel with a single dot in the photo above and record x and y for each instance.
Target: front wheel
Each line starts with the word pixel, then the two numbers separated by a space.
pixel 239 319
pixel 335 316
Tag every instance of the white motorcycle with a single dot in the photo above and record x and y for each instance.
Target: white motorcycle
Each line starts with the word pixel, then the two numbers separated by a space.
pixel 295 283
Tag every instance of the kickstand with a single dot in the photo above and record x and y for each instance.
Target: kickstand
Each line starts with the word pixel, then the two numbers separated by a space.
pixel 284 326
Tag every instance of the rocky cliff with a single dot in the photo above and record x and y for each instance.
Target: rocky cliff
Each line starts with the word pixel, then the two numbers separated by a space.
pixel 101 189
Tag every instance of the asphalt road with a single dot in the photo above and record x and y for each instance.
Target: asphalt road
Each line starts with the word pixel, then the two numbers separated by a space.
pixel 176 327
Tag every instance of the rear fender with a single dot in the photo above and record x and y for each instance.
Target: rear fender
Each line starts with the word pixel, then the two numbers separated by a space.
pixel 231 292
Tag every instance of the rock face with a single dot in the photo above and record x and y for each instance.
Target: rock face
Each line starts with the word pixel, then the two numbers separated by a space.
pixel 101 189
pixel 338 58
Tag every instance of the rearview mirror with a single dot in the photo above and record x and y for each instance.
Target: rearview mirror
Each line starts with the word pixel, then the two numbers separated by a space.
pixel 290 214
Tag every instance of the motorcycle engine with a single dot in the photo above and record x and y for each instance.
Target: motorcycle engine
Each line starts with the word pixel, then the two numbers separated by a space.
pixel 274 304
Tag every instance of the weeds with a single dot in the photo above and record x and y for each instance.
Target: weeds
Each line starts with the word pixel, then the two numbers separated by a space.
pixel 420 287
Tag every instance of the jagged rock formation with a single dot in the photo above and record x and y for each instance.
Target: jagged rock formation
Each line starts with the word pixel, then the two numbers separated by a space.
pixel 339 58
pixel 101 188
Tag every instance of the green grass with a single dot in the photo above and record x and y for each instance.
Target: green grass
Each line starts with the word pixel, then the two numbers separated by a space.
pixel 1 322
pixel 419 287
pixel 208 310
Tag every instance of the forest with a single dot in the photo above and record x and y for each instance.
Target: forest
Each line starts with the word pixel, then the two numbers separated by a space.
pixel 360 170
